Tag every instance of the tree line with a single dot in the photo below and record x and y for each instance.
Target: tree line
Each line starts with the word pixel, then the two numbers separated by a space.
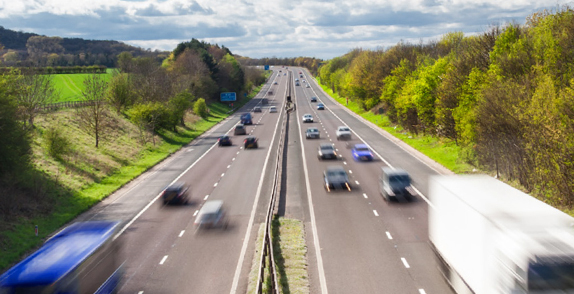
pixel 59 69
pixel 22 49
pixel 153 95
pixel 506 96
pixel 311 63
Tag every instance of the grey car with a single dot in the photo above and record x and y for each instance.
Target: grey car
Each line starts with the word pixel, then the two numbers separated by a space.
pixel 336 178
pixel 312 133
pixel 326 151
pixel 395 184
pixel 240 130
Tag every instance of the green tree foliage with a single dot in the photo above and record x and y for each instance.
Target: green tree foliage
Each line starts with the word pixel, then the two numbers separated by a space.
pixel 15 147
pixel 177 107
pixel 200 108
pixel 119 92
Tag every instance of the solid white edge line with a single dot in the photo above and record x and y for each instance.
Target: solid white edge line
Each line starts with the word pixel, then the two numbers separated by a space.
pixel 140 292
pixel 405 262
pixel 252 217
pixel 181 233
pixel 375 212
pixel 163 260
pixel 322 279
pixel 196 212
pixel 389 235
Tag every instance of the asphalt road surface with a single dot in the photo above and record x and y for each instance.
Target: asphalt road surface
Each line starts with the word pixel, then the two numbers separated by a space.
pixel 357 242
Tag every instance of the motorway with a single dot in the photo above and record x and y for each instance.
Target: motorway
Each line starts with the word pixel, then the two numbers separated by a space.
pixel 357 242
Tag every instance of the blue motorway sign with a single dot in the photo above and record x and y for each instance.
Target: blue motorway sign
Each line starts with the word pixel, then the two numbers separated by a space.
pixel 228 96
pixel 267 67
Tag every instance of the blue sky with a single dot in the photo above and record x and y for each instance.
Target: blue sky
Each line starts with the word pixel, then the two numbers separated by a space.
pixel 263 28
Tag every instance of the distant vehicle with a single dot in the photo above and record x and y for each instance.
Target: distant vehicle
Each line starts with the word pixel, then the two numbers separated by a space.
pixel 307 118
pixel 312 133
pixel 272 109
pixel 175 193
pixel 264 101
pixel 285 74
pixel 296 83
pixel 343 133
pixel 313 99
pixel 250 142
pixel 246 118
pixel 256 109
pixel 362 152
pixel 336 177
pixel 492 238
pixel 326 151
pixel 81 258
pixel 224 140
pixel 307 86
pixel 320 106
pixel 275 83
pixel 395 184
pixel 240 130
pixel 211 215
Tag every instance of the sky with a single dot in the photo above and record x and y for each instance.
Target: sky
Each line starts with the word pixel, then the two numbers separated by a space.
pixel 266 28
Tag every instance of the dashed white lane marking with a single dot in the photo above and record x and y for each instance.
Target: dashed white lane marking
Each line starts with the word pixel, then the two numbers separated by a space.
pixel 215 185
pixel 375 212
pixel 223 174
pixel 344 162
pixel 357 182
pixel 206 196
pixel 239 148
pixel 331 140
pixel 233 159
pixel 229 166
pixel 340 155
pixel 405 262
pixel 336 149
pixel 140 292
pixel 189 150
pixel 181 233
pixel 422 291
pixel 365 195
pixel 195 213
pixel 163 260
pixel 350 171
pixel 389 235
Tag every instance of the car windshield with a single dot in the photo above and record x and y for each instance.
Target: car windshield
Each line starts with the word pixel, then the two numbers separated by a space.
pixel 399 179
pixel 344 129
pixel 362 148
pixel 326 147
pixel 335 173
pixel 312 130
pixel 239 127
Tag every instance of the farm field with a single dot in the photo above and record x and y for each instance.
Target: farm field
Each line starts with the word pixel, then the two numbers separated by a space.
pixel 71 86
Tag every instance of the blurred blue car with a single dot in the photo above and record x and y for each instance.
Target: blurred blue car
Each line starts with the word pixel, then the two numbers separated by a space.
pixel 361 152
pixel 320 106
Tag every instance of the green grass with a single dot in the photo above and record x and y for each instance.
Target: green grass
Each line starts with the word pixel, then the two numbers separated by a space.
pixel 290 254
pixel 72 85
pixel 253 274
pixel 443 151
pixel 88 174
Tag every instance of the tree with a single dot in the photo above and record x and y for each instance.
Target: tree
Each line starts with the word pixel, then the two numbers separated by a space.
pixel 95 118
pixel 35 90
pixel 200 108
pixel 119 92
pixel 15 147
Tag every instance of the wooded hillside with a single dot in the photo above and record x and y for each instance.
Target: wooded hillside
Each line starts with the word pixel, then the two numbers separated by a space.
pixel 506 96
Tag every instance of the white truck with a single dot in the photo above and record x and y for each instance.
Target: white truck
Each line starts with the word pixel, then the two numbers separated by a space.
pixel 492 238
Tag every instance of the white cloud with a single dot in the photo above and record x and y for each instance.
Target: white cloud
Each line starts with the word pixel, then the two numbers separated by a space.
pixel 258 28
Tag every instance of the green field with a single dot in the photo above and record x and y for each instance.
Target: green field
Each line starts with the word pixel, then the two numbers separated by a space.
pixel 71 86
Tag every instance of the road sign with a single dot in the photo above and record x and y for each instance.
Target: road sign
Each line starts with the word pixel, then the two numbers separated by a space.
pixel 228 96
pixel 267 67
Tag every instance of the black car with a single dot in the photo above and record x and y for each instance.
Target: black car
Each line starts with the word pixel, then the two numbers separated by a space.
pixel 313 99
pixel 336 178
pixel 175 194
pixel 224 141
pixel 250 142
pixel 326 151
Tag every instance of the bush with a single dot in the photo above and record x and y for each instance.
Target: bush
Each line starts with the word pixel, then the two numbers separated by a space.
pixel 56 143
pixel 200 108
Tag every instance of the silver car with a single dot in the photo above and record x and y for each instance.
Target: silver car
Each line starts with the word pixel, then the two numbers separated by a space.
pixel 211 215
pixel 307 118
pixel 312 133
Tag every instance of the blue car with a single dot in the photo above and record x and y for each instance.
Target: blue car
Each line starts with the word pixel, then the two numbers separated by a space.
pixel 361 152
pixel 320 106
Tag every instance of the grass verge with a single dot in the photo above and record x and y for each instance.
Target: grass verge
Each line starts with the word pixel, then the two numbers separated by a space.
pixel 440 150
pixel 76 182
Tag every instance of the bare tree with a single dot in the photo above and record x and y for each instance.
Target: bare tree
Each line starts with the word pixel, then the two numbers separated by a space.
pixel 95 118
pixel 35 91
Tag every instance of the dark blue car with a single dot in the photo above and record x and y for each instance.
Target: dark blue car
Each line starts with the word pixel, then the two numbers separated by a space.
pixel 320 106
pixel 361 152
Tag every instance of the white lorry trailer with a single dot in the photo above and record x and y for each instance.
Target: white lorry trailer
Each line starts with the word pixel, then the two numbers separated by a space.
pixel 492 238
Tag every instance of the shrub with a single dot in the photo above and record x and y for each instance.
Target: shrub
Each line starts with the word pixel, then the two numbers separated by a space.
pixel 200 108
pixel 56 143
